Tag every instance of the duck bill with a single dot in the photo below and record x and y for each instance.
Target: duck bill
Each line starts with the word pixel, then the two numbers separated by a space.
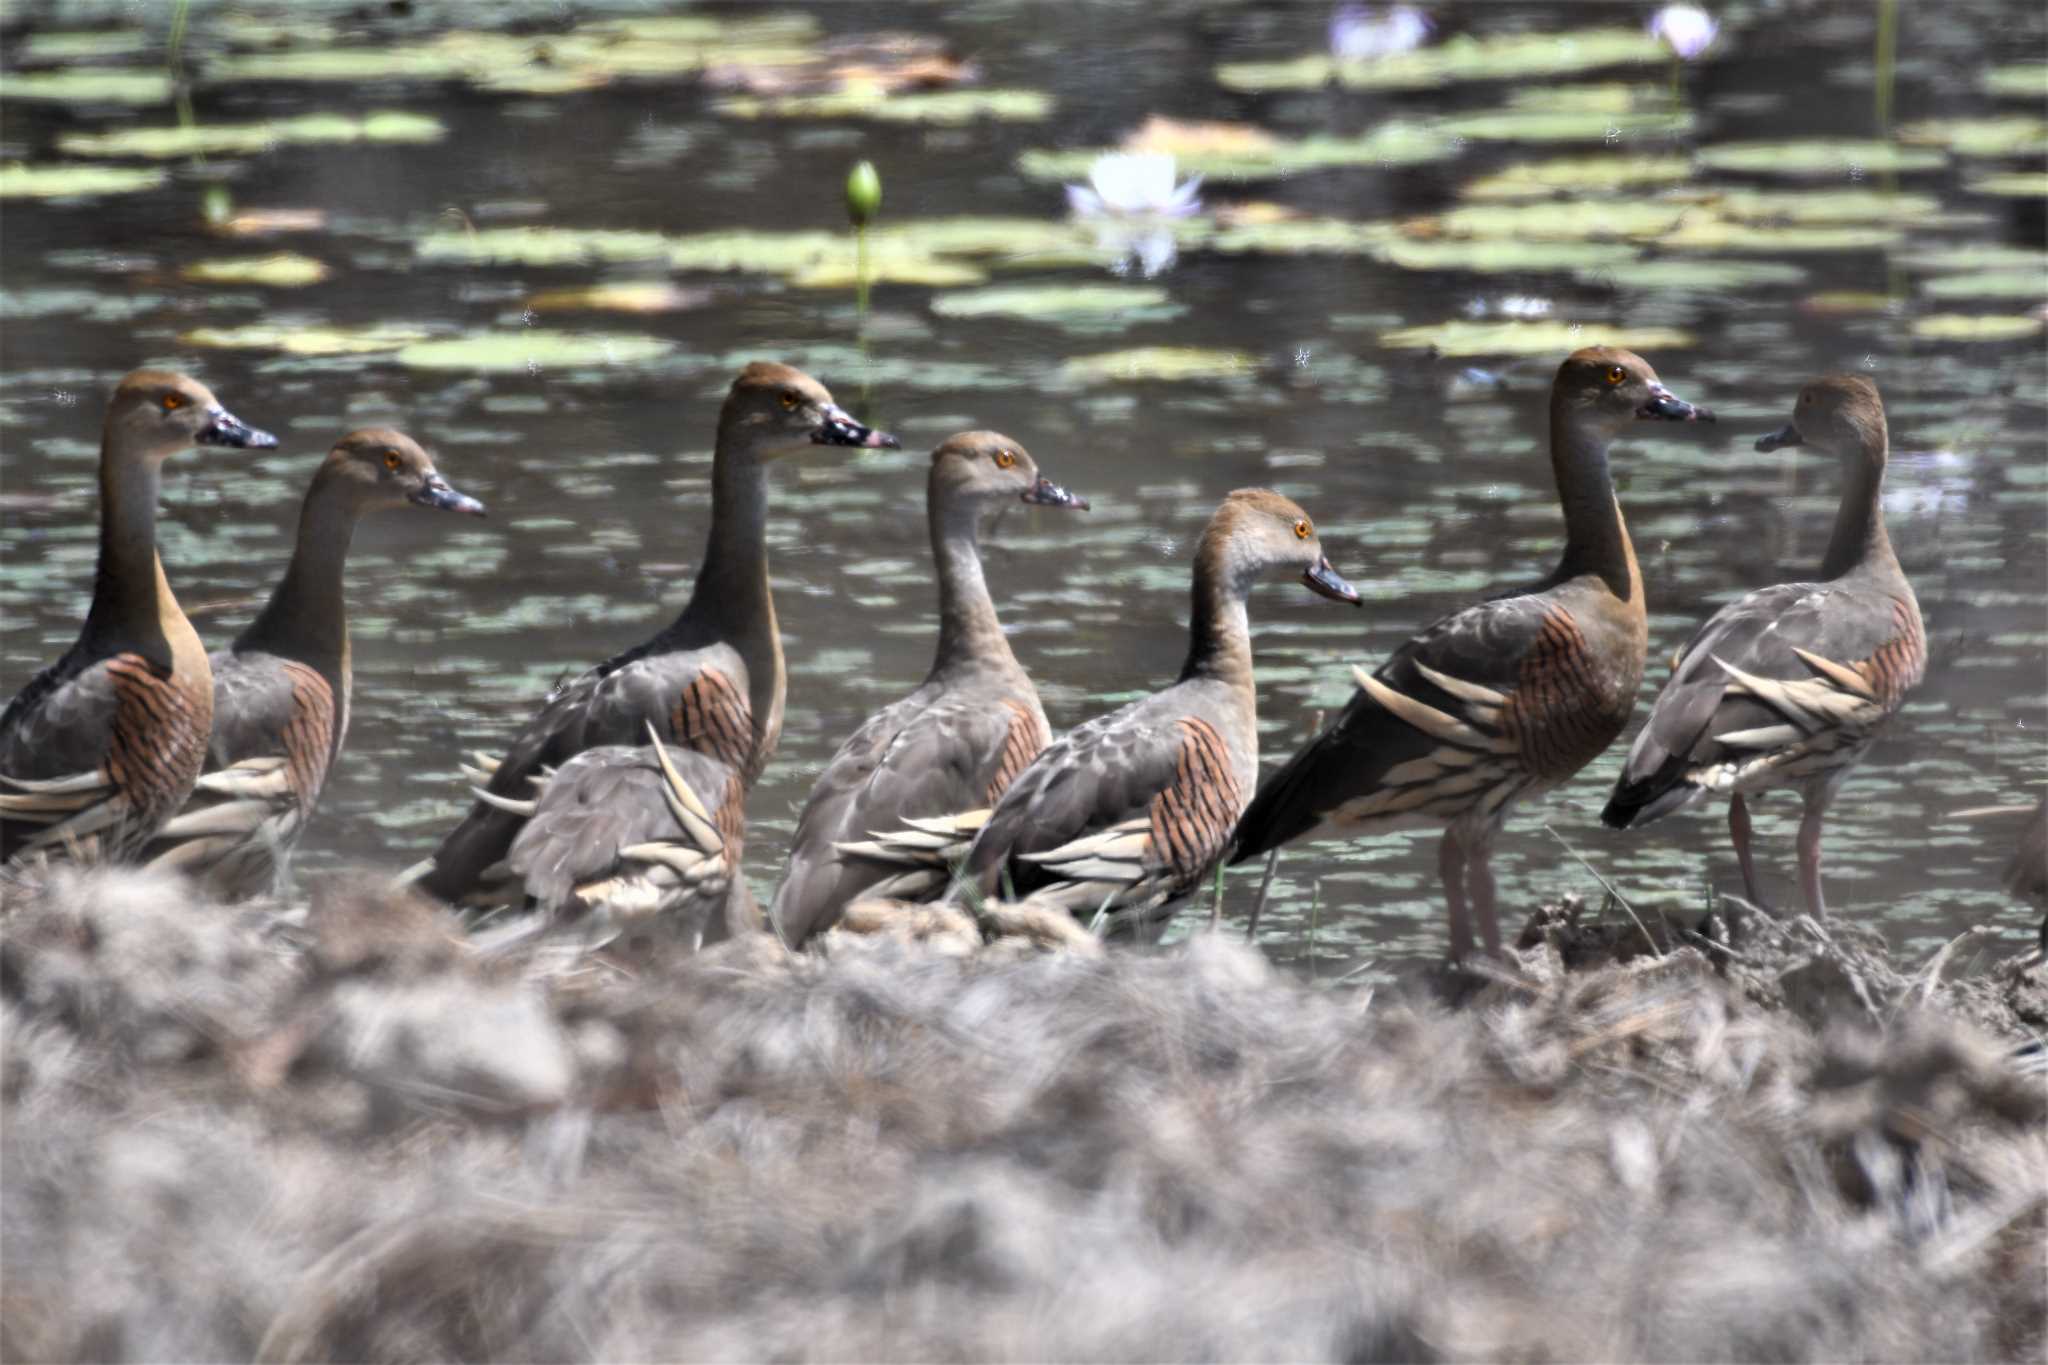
pixel 841 430
pixel 1666 406
pixel 223 428
pixel 439 494
pixel 1787 435
pixel 1046 493
pixel 1324 581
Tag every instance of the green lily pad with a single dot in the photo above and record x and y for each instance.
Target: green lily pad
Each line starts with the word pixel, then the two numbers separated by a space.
pixel 280 335
pixel 1465 57
pixel 621 296
pixel 2021 80
pixel 384 126
pixel 1845 303
pixel 91 85
pixel 1974 256
pixel 542 246
pixel 1579 220
pixel 1820 157
pixel 1390 144
pixel 1575 113
pixel 530 349
pixel 2011 185
pixel 1302 237
pixel 1492 256
pixel 74 182
pixel 941 107
pixel 280 270
pixel 1826 206
pixel 2015 135
pixel 844 273
pixel 1081 306
pixel 1708 232
pixel 1684 275
pixel 1975 327
pixel 1463 337
pixel 81 45
pixel 1166 364
pixel 1579 175
pixel 1991 284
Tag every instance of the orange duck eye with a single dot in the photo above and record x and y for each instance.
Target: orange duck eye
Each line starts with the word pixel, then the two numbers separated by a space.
pixel 1302 530
pixel 789 401
pixel 1004 459
pixel 391 459
pixel 172 402
pixel 1615 374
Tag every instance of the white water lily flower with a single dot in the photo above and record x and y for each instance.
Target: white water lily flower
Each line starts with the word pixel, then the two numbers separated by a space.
pixel 1687 30
pixel 1128 197
pixel 1359 33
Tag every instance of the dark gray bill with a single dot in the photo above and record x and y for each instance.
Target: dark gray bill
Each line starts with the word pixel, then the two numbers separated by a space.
pixel 841 430
pixel 1325 581
pixel 1046 493
pixel 1666 406
pixel 1787 435
pixel 223 428
pixel 437 493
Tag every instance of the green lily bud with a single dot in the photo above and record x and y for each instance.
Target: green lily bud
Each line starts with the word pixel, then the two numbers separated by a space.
pixel 863 193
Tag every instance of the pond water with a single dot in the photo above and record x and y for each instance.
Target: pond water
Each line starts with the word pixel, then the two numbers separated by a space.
pixel 1775 223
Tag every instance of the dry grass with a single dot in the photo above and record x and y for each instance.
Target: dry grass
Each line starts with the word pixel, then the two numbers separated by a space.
pixel 344 1134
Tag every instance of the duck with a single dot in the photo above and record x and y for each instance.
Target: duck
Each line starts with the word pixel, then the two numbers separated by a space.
pixel 954 743
pixel 711 681
pixel 1121 818
pixel 1790 685
pixel 104 745
pixel 281 691
pixel 1503 699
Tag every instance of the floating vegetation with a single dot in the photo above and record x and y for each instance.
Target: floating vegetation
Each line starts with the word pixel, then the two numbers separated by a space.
pixel 2011 185
pixel 624 296
pixel 73 45
pixel 1679 274
pixel 60 181
pixel 1466 57
pixel 1975 327
pixel 2013 135
pixel 1488 255
pixel 283 335
pixel 269 222
pixel 943 107
pixel 383 126
pixel 1815 157
pixel 1164 364
pixel 2021 80
pixel 1991 284
pixel 1075 306
pixel 91 85
pixel 531 349
pixel 1462 337
pixel 1579 175
pixel 1390 144
pixel 1575 113
pixel 280 270
pixel 1974 256
pixel 1302 237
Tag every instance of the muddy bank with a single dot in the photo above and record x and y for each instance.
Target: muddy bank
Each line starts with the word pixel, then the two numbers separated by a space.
pixel 341 1133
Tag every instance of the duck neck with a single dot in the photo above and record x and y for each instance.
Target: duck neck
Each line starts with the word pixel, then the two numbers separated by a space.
pixel 131 599
pixel 307 617
pixel 1219 631
pixel 1596 540
pixel 732 586
pixel 968 630
pixel 1859 539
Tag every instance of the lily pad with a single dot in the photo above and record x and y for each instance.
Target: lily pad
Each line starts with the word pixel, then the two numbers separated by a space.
pixel 1685 275
pixel 281 270
pixel 1080 306
pixel 1390 144
pixel 281 335
pixel 1492 256
pixel 2021 80
pixel 1826 206
pixel 1814 157
pixel 1165 364
pixel 1465 57
pixel 81 45
pixel 2011 185
pixel 641 296
pixel 1991 284
pixel 1575 113
pixel 843 272
pixel 74 182
pixel 2015 135
pixel 1708 232
pixel 1580 220
pixel 942 107
pixel 91 85
pixel 532 349
pixel 1974 256
pixel 1302 237
pixel 1579 175
pixel 383 126
pixel 1975 327
pixel 1462 337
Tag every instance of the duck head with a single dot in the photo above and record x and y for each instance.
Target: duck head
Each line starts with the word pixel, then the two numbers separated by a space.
pixel 986 468
pixel 1256 530
pixel 776 410
pixel 1608 387
pixel 157 413
pixel 1839 413
pixel 381 467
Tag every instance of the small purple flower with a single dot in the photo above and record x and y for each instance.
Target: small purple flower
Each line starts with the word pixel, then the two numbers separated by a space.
pixel 1360 33
pixel 1687 30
